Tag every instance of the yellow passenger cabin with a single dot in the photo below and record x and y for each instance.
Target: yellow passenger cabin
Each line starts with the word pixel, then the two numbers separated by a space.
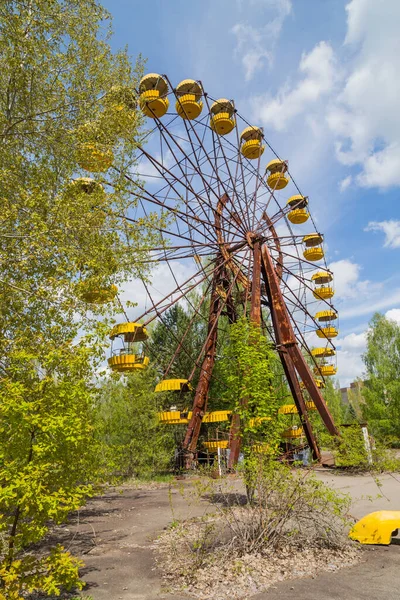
pixel 325 316
pixel 322 277
pixel 323 292
pixel 276 174
pixel 323 352
pixel 173 385
pixel 298 209
pixel 189 93
pixel 325 370
pixel 94 157
pixel 153 95
pixel 94 292
pixel 327 332
pixel 251 142
pixel 222 116
pixel 127 358
pixel 313 250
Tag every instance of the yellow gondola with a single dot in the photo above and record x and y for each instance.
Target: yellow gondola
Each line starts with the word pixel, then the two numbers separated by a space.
pixel 189 93
pixel 291 409
pixel 299 213
pixel 313 250
pixel 293 432
pixel 174 417
pixel 313 239
pixel 94 157
pixel 95 293
pixel 318 382
pixel 325 370
pixel 323 352
pixel 313 254
pixel 322 277
pixel 327 332
pixel 325 316
pixel 173 385
pixel 126 358
pixel 217 416
pixel 323 292
pixel 261 448
pixel 153 90
pixel 251 146
pixel 276 169
pixel 132 332
pixel 222 120
pixel 128 362
pixel 213 445
pixel 119 112
pixel 85 186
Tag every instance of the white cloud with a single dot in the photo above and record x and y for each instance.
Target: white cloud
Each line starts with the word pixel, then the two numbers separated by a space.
pixel 394 315
pixel 372 302
pixel 345 183
pixel 391 229
pixel 355 297
pixel 254 44
pixel 347 279
pixel 364 116
pixel 353 341
pixel 349 357
pixel 350 94
pixel 318 75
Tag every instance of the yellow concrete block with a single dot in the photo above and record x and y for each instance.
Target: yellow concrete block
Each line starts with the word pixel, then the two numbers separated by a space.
pixel 377 527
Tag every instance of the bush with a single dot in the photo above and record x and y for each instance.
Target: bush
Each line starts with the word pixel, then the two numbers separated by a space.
pixel 350 449
pixel 292 513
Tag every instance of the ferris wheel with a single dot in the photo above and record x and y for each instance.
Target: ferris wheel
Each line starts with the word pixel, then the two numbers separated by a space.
pixel 232 210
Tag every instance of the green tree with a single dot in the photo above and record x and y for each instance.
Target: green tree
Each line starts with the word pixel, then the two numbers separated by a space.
pixel 333 398
pixel 175 328
pixel 66 102
pixel 382 385
pixel 47 459
pixel 134 442
pixel 248 367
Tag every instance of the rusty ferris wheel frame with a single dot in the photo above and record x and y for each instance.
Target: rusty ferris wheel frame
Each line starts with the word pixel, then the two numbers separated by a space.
pixel 221 212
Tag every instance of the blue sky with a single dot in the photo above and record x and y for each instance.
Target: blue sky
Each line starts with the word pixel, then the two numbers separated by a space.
pixel 322 78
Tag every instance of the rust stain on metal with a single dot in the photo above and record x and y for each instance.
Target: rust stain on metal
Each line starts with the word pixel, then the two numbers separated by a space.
pixel 291 356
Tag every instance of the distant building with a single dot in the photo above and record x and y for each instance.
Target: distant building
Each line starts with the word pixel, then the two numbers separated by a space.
pixel 352 396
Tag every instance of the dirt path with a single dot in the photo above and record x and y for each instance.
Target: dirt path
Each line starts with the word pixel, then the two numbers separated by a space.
pixel 114 534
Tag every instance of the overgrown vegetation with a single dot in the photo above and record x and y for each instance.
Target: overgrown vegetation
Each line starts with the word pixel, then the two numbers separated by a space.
pixel 293 522
pixel 381 391
pixel 134 444
pixel 59 86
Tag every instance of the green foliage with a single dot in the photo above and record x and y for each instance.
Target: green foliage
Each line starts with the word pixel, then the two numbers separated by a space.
pixel 382 385
pixel 248 370
pixel 47 458
pixel 59 570
pixel 134 444
pixel 291 511
pixel 61 86
pixel 177 326
pixel 333 398
pixel 350 448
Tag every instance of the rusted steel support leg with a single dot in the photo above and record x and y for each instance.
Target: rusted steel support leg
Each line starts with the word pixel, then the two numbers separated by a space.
pixel 255 317
pixel 201 395
pixel 290 354
pixel 306 376
pixel 299 402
